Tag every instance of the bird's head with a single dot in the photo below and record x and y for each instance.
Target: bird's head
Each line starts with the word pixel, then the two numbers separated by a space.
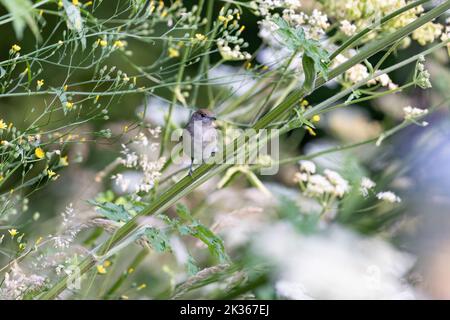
pixel 203 115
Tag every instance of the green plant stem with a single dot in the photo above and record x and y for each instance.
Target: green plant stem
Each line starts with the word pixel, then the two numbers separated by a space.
pixel 133 265
pixel 187 52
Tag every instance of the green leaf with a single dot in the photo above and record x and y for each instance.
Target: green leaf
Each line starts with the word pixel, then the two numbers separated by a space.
pixel 310 72
pixel 115 212
pixel 22 13
pixel 158 239
pixel 211 240
pixel 295 39
pixel 201 232
pixel 191 266
pixel 183 212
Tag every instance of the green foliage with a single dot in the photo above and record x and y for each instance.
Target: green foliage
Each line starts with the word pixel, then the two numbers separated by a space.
pixel 22 14
pixel 112 211
pixel 295 39
pixel 203 233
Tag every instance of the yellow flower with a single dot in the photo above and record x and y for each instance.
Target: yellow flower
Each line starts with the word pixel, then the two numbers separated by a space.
pixel 142 286
pixel 102 42
pixel 101 269
pixel 38 241
pixel 39 153
pixel 64 161
pixel 40 83
pixel 69 105
pixel 16 48
pixel 13 232
pixel 22 246
pixel 200 37
pixel 60 4
pixel 131 270
pixel 119 44
pixel 50 173
pixel 174 53
pixel 316 118
pixel 2 125
pixel 311 131
pixel 107 263
pixel 75 2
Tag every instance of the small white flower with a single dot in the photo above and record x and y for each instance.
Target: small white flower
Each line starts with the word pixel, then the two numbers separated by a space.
pixel 318 185
pixel 357 73
pixel 388 196
pixel 341 185
pixel 300 176
pixel 307 166
pixel 347 28
pixel 366 185
pixel 412 113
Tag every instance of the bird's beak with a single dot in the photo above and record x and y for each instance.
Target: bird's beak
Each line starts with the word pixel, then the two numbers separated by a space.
pixel 213 118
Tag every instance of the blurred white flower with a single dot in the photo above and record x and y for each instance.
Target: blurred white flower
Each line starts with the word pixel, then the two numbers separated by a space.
pixel 307 166
pixel 338 264
pixel 347 28
pixel 388 196
pixel 412 113
pixel 366 185
pixel 16 283
pixel 340 184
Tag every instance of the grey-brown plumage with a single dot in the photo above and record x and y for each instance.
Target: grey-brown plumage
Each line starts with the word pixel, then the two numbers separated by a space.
pixel 203 136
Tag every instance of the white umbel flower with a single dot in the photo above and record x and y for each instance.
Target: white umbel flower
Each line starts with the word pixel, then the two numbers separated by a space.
pixel 307 166
pixel 341 185
pixel 357 73
pixel 318 185
pixel 388 196
pixel 412 113
pixel 347 28
pixel 366 185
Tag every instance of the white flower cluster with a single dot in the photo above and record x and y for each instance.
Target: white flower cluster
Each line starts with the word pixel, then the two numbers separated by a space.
pixel 412 113
pixel 16 283
pixel 233 54
pixel 70 228
pixel 388 196
pixel 149 169
pixel 366 185
pixel 445 37
pixel 360 72
pixel 314 185
pixel 230 44
pixel 422 78
pixel 314 25
pixel 347 28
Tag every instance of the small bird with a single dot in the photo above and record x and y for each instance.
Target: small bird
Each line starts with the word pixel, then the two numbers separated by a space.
pixel 203 136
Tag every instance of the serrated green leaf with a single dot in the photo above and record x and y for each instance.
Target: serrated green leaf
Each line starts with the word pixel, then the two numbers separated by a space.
pixel 183 212
pixel 295 39
pixel 158 239
pixel 201 232
pixel 115 212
